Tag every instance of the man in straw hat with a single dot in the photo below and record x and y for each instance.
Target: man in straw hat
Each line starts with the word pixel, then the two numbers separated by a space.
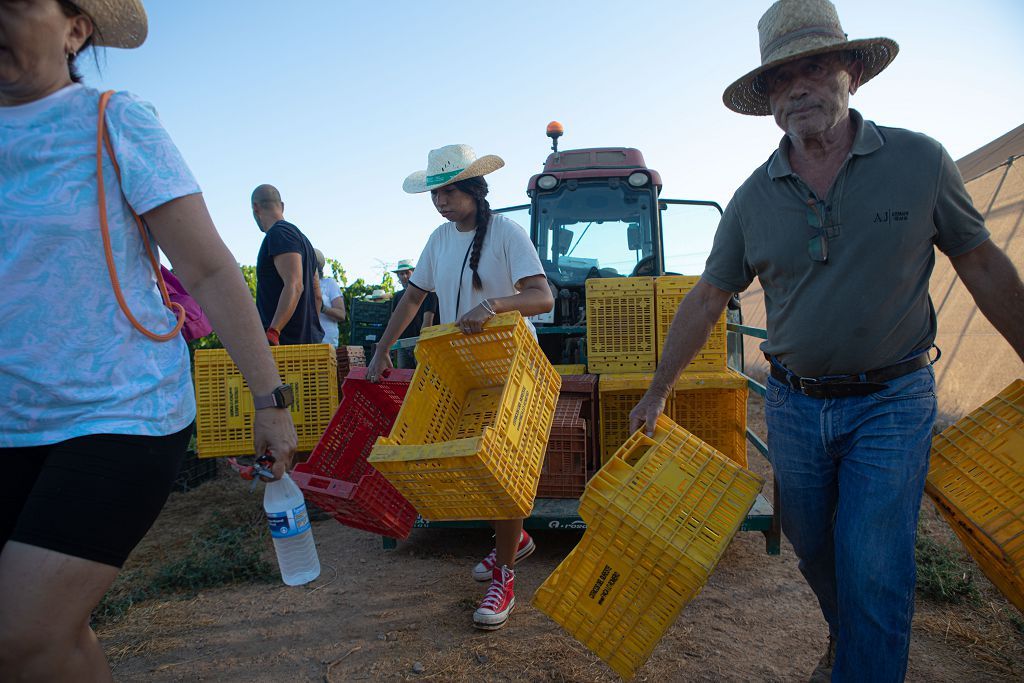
pixel 424 318
pixel 840 226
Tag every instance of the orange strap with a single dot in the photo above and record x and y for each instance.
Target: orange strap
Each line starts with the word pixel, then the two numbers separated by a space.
pixel 102 138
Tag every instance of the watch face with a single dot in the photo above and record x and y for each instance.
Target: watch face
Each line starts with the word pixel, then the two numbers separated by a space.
pixel 286 395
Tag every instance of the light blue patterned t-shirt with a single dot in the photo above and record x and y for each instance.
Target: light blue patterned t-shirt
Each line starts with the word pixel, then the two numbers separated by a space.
pixel 70 362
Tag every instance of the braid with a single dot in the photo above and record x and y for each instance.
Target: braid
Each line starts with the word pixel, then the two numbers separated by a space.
pixel 477 189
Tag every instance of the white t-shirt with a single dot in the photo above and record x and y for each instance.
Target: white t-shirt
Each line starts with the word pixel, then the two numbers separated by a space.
pixel 329 291
pixel 507 257
pixel 72 364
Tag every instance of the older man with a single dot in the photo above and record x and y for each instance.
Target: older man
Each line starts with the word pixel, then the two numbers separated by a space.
pixel 425 317
pixel 840 225
pixel 287 290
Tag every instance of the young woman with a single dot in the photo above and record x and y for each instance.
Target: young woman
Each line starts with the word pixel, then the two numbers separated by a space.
pixel 479 264
pixel 96 415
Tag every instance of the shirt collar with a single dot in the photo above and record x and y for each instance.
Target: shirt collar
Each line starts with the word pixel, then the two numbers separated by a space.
pixel 866 139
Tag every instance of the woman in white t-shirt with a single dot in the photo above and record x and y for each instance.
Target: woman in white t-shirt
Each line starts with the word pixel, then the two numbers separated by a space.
pixel 332 303
pixel 479 263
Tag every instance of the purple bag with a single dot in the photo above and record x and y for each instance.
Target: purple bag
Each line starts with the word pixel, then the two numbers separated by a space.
pixel 196 323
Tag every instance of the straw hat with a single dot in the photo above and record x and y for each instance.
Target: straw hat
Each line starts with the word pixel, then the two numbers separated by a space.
pixel 794 29
pixel 404 265
pixel 377 294
pixel 119 23
pixel 448 165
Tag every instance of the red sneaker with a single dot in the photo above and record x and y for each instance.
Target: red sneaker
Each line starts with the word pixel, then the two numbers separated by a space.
pixel 482 571
pixel 499 602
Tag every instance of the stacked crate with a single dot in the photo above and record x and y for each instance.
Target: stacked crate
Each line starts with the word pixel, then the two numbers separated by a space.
pixel 565 470
pixel 224 406
pixel 628 320
pixel 976 480
pixel 469 441
pixel 659 516
pixel 369 318
pixel 349 357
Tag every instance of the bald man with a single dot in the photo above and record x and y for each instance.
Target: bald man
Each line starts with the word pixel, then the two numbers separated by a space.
pixel 287 293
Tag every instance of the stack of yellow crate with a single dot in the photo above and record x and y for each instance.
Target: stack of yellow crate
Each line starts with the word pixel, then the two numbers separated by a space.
pixel 976 480
pixel 659 515
pixel 224 409
pixel 627 324
pixel 469 440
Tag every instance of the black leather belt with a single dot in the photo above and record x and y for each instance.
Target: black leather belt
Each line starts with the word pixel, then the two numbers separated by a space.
pixel 849 385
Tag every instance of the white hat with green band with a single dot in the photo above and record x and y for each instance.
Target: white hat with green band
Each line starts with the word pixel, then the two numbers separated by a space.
pixel 448 165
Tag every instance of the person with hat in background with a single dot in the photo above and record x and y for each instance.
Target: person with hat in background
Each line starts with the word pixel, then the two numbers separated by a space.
pixel 287 291
pixel 424 318
pixel 98 407
pixel 480 264
pixel 841 225
pixel 332 302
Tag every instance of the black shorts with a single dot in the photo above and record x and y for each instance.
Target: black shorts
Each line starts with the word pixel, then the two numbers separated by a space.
pixel 93 497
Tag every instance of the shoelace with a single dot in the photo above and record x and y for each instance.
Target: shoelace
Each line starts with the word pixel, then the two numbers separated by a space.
pixel 495 595
pixel 491 559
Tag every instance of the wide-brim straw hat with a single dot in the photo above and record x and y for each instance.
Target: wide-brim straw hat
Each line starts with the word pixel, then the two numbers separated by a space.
pixel 794 29
pixel 119 23
pixel 377 294
pixel 448 165
pixel 404 265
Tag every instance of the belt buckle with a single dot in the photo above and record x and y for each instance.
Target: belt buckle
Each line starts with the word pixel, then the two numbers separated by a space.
pixel 805 383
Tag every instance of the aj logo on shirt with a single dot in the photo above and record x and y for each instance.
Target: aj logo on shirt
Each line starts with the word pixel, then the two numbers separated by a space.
pixel 891 215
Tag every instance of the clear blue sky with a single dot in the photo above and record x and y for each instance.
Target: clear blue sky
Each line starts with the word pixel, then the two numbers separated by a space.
pixel 335 102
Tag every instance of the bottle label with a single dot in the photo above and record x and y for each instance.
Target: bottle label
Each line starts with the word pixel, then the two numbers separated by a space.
pixel 288 523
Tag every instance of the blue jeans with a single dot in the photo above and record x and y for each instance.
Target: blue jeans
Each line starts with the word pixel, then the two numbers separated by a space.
pixel 850 473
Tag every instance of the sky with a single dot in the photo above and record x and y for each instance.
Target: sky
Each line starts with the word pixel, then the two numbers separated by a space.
pixel 335 102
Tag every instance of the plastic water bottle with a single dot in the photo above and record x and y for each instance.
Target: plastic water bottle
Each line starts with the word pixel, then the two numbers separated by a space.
pixel 290 529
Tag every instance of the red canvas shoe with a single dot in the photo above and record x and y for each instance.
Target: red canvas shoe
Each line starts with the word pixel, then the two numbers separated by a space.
pixel 482 571
pixel 499 602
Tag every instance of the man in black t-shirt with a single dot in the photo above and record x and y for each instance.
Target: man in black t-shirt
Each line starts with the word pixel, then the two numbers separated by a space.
pixel 426 316
pixel 287 293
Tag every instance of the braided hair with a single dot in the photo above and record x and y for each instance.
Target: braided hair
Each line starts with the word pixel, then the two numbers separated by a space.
pixel 477 189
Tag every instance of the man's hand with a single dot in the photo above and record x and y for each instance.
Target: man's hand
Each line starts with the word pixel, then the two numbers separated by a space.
pixel 273 336
pixel 473 321
pixel 378 365
pixel 646 412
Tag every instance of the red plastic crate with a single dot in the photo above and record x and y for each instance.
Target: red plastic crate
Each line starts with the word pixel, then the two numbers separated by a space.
pixel 337 477
pixel 564 474
pixel 372 504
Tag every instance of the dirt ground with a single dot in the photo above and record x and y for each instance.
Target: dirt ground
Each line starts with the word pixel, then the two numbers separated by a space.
pixel 406 614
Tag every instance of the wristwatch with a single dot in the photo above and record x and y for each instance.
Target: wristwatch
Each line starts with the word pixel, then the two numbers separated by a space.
pixel 282 397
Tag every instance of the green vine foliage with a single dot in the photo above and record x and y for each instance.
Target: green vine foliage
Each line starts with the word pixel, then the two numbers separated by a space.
pixel 359 288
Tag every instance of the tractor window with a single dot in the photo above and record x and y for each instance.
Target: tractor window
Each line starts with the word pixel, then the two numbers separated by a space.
pixel 688 231
pixel 593 229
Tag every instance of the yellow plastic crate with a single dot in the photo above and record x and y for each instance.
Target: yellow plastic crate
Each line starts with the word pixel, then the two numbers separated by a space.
pixel 575 369
pixel 224 410
pixel 621 325
pixel 470 438
pixel 712 405
pixel 977 477
pixel 655 531
pixel 1010 584
pixel 669 291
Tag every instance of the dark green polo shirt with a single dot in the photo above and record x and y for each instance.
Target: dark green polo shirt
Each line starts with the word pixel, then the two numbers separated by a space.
pixel 897 197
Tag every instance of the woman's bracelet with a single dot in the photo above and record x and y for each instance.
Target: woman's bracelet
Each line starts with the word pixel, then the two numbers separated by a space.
pixel 487 307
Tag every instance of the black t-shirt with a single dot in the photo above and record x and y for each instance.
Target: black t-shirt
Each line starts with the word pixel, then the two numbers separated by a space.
pixel 304 325
pixel 429 304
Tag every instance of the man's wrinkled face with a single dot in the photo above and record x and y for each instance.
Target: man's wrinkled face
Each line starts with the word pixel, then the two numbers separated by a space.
pixel 810 96
pixel 404 276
